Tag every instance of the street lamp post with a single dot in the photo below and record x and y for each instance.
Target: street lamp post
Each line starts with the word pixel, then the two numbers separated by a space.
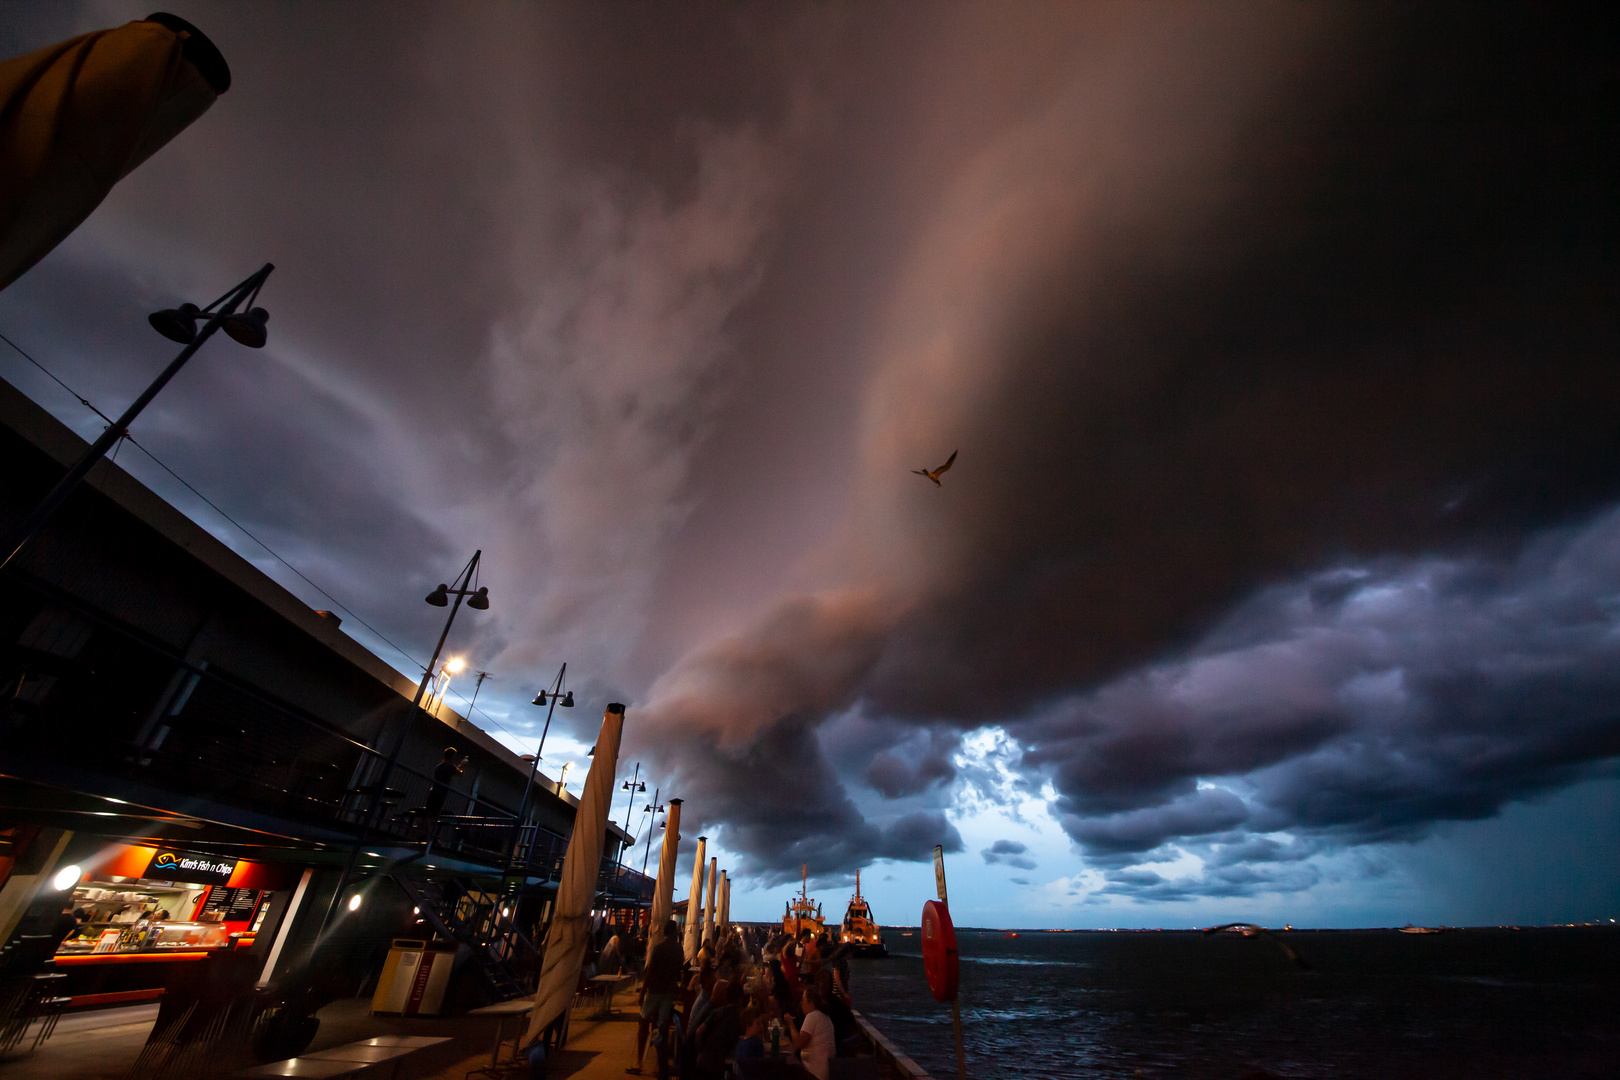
pixel 557 697
pixel 654 809
pixel 478 600
pixel 633 787
pixel 176 324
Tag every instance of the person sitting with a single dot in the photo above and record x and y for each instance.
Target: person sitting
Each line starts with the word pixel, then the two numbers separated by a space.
pixel 846 1032
pixel 718 1035
pixel 610 961
pixel 814 1039
pixel 751 1046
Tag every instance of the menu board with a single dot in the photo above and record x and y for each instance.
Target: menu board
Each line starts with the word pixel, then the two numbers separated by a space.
pixel 236 905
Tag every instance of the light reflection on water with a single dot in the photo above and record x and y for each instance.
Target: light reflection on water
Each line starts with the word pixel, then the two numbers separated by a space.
pixel 1479 1003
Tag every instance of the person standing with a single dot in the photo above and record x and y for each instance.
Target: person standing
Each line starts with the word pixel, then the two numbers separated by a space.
pixel 444 772
pixel 659 980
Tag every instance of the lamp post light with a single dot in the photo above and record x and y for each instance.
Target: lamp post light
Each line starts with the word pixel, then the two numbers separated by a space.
pixel 441 685
pixel 634 787
pixel 562 777
pixel 654 809
pixel 557 697
pixel 178 325
pixel 478 600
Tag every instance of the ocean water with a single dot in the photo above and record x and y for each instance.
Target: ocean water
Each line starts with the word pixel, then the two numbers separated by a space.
pixel 1372 1003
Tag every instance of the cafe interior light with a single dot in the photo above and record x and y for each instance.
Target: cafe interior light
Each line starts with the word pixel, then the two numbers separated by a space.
pixel 66 877
pixel 354 902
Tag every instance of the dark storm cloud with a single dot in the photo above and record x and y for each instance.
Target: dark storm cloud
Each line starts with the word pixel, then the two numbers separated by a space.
pixel 776 803
pixel 1131 833
pixel 895 775
pixel 1146 886
pixel 1010 852
pixel 1396 334
pixel 1372 317
pixel 1353 707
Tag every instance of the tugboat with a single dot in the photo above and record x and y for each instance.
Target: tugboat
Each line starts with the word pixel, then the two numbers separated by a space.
pixel 860 931
pixel 802 912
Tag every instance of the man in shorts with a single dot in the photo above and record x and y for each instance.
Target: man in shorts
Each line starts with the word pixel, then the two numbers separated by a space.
pixel 660 978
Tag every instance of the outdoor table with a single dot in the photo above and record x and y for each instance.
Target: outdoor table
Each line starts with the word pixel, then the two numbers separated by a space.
pixel 308 1068
pixel 413 1042
pixel 608 985
pixel 361 1052
pixel 515 1007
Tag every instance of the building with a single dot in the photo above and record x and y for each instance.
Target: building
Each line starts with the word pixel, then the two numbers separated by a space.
pixel 197 740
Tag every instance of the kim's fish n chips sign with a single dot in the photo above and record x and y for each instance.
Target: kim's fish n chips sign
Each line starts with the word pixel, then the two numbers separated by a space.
pixel 190 867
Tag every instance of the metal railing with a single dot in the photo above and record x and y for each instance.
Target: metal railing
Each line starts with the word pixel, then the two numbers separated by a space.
pixel 83 697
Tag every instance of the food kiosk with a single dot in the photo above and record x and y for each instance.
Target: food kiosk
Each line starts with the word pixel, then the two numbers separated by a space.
pixel 144 911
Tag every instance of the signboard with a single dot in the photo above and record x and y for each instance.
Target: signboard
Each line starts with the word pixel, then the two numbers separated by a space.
pixel 940 962
pixel 186 866
pixel 234 905
pixel 939 871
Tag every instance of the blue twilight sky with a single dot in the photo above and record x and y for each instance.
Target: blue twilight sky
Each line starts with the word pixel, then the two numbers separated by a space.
pixel 1277 577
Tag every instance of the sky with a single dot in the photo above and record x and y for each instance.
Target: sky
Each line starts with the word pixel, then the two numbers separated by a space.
pixel 1277 577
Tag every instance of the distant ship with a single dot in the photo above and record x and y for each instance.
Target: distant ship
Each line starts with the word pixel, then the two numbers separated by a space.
pixel 860 931
pixel 1410 929
pixel 802 912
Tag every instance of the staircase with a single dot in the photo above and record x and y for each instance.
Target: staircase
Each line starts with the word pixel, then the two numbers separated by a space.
pixel 459 911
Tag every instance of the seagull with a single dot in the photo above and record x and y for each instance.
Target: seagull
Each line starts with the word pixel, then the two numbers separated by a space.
pixel 1251 930
pixel 935 474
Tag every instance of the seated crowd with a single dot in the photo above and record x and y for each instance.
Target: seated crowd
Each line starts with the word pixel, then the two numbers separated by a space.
pixel 749 999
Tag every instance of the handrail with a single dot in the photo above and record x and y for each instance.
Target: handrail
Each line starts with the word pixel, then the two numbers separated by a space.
pixel 886 1051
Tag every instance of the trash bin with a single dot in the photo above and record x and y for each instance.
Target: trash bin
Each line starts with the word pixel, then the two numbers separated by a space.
pixel 414 978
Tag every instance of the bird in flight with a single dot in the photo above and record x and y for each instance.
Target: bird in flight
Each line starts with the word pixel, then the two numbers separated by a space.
pixel 935 474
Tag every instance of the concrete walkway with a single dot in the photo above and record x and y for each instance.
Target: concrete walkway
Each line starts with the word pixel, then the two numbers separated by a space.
pixel 103 1044
pixel 598 1049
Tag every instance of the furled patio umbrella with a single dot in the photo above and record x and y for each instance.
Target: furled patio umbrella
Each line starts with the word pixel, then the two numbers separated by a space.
pixel 708 908
pixel 725 904
pixel 664 892
pixel 694 901
pixel 79 116
pixel 576 895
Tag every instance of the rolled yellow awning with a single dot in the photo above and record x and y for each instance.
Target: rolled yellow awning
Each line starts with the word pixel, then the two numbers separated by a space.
pixel 77 117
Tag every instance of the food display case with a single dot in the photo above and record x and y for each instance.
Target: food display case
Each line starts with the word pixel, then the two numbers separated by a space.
pixel 133 932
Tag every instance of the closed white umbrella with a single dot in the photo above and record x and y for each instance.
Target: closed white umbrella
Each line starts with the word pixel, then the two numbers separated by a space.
pixel 664 892
pixel 694 901
pixel 571 924
pixel 708 910
pixel 725 904
pixel 77 117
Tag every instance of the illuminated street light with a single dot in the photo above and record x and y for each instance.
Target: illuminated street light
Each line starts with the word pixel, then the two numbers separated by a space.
pixel 477 599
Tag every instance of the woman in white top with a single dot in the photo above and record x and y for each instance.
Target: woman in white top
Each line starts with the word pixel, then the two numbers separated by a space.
pixel 814 1040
